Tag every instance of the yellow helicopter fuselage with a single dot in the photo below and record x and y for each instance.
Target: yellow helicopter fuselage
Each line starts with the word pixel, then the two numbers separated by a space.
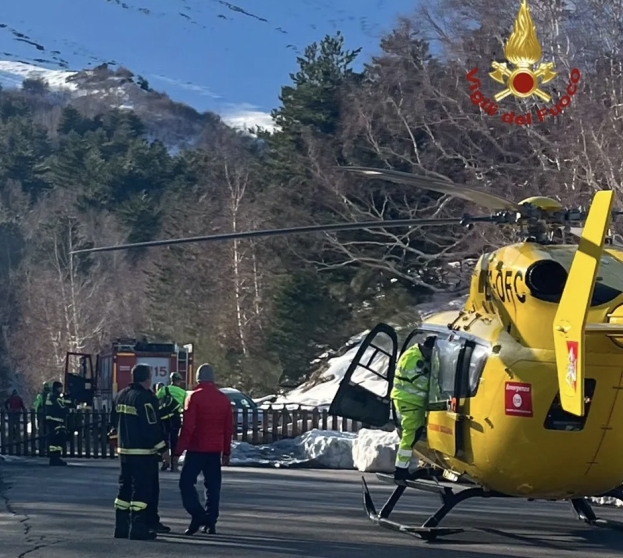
pixel 510 436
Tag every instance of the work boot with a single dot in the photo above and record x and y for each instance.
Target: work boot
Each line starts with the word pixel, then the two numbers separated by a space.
pixel 160 528
pixel 209 529
pixel 195 524
pixel 122 524
pixel 138 528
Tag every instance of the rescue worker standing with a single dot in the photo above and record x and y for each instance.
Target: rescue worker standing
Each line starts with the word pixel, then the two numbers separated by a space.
pixel 56 407
pixel 170 414
pixel 39 406
pixel 41 397
pixel 410 398
pixel 172 397
pixel 140 442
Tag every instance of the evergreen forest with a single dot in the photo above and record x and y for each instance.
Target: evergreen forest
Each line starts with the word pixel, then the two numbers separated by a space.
pixel 75 176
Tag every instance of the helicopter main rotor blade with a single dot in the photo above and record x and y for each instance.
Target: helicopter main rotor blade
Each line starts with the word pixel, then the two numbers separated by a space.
pixel 279 232
pixel 484 199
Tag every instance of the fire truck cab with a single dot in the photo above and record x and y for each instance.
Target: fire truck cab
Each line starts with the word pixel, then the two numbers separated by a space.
pixel 114 365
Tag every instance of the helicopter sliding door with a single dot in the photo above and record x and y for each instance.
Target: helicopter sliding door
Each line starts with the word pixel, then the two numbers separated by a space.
pixel 364 391
pixel 455 370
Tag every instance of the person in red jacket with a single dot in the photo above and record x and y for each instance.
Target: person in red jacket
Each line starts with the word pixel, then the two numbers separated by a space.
pixel 206 437
pixel 14 403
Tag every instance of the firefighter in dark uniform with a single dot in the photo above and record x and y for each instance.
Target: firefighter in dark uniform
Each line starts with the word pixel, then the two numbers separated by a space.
pixel 140 443
pixel 56 407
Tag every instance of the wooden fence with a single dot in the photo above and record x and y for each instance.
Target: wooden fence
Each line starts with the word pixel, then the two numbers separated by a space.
pixel 23 434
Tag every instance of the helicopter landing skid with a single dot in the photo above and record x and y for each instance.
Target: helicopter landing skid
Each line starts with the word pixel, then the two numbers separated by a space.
pixel 429 530
pixel 584 512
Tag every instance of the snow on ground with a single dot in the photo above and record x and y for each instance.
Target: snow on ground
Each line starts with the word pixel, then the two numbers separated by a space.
pixel 368 450
pixel 320 391
pixel 13 73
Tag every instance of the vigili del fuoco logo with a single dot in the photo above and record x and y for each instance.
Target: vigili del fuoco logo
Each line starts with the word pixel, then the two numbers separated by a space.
pixel 524 78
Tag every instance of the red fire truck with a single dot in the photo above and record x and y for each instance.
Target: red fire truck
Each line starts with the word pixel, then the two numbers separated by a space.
pixel 113 367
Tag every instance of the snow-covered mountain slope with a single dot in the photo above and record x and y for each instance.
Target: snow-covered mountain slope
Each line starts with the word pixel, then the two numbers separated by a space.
pixel 229 57
pixel 177 125
pixel 320 390
pixel 109 84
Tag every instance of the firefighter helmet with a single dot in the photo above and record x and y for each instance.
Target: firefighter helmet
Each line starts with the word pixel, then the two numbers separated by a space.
pixel 175 376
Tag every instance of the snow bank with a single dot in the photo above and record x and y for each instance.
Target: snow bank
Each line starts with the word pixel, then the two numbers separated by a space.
pixel 371 451
pixel 319 449
pixel 333 450
pixel 374 451
pixel 607 501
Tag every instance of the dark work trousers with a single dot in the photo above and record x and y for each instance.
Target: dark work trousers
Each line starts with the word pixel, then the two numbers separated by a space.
pixel 173 431
pixel 210 465
pixel 153 518
pixel 56 435
pixel 137 479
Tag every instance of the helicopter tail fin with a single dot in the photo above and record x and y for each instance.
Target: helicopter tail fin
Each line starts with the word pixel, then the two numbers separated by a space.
pixel 570 321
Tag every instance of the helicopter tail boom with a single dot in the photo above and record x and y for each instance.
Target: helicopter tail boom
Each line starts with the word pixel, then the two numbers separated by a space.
pixel 570 327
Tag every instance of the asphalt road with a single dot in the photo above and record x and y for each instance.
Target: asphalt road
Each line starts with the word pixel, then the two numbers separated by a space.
pixel 266 513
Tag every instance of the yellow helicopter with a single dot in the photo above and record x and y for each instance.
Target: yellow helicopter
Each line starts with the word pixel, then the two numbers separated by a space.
pixel 526 395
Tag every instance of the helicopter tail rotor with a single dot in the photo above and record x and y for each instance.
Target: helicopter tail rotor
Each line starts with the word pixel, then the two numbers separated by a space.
pixel 570 321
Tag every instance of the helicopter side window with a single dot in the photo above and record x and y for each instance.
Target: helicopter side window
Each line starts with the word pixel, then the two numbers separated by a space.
pixel 444 368
pixel 443 371
pixel 478 358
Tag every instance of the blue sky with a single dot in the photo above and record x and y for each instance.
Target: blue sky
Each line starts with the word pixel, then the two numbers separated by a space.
pixel 229 57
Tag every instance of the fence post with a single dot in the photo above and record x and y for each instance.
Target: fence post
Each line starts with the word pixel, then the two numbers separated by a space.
pixel 234 420
pixel 34 432
pixel 71 437
pixel 19 433
pixel 80 428
pixel 88 425
pixel 43 434
pixel 275 424
pixel 315 418
pixel 3 433
pixel 265 418
pixel 256 426
pixel 295 422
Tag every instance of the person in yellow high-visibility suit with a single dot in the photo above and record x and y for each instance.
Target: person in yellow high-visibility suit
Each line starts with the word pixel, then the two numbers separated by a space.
pixel 410 398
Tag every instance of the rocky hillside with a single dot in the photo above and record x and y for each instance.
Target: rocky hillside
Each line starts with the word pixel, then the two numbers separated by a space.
pixel 106 87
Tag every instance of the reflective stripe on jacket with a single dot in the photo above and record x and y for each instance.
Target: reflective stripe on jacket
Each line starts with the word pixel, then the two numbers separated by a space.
pixel 56 407
pixel 412 378
pixel 135 421
pixel 176 392
pixel 169 406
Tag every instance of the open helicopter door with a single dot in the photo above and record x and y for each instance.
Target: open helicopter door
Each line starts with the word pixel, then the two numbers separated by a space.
pixel 449 386
pixel 364 392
